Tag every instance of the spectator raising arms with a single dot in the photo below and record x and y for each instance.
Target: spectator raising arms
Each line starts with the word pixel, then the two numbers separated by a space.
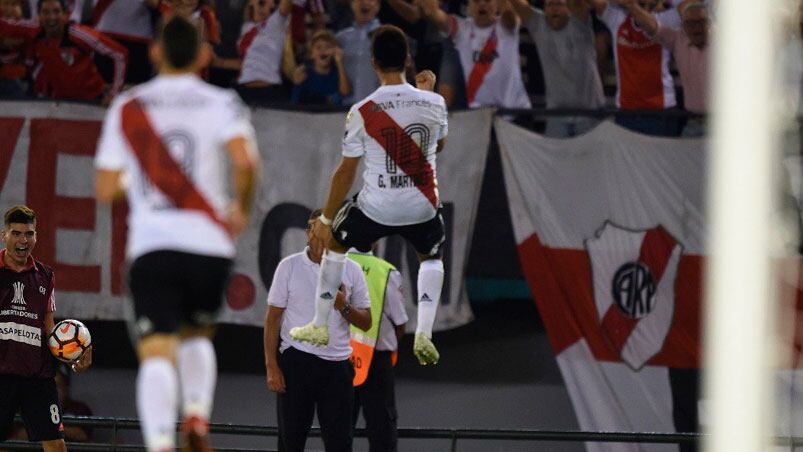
pixel 565 40
pixel 12 58
pixel 64 53
pixel 319 81
pixel 690 50
pixel 356 44
pixel 197 12
pixel 489 51
pixel 261 50
pixel 129 22
pixel 642 66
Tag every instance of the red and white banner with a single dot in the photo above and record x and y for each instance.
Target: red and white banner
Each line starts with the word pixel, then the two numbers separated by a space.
pixel 609 227
pixel 46 161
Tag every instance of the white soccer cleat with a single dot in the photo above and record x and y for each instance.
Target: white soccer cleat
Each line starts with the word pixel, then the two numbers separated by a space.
pixel 424 350
pixel 315 335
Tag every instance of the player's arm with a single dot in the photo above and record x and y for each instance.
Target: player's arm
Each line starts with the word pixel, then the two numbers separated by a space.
pixel 244 176
pixel 108 185
pixel 522 9
pixel 433 13
pixel 441 145
pixel 507 16
pixel 273 323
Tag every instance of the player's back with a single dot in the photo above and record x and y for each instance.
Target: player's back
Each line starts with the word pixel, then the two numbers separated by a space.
pixel 397 129
pixel 169 135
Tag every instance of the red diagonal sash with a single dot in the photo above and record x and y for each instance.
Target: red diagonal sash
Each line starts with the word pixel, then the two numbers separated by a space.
pixel 656 249
pixel 404 151
pixel 159 166
pixel 482 66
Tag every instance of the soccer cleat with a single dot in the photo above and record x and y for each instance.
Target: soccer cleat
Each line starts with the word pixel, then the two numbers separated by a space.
pixel 425 350
pixel 315 335
pixel 195 435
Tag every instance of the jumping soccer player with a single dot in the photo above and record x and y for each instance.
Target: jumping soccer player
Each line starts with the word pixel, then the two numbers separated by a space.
pixel 399 129
pixel 171 138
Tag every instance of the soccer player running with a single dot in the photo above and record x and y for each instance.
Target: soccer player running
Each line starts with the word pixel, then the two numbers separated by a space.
pixel 170 137
pixel 399 128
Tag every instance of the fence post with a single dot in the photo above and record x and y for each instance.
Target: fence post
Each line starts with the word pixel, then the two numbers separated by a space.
pixel 454 440
pixel 114 435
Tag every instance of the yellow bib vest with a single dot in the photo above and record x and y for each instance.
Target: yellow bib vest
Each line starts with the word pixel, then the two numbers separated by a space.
pixel 376 272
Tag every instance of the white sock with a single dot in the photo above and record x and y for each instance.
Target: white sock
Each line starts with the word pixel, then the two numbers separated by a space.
pixel 197 369
pixel 157 393
pixel 329 280
pixel 430 283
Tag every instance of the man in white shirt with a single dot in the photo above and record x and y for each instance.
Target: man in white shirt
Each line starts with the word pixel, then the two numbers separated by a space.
pixel 260 77
pixel 399 129
pixel 170 138
pixel 307 378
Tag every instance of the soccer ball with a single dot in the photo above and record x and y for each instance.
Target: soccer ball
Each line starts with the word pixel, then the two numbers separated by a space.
pixel 69 340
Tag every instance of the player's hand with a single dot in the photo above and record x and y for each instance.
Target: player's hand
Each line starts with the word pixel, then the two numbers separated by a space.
pixel 425 80
pixel 276 379
pixel 236 220
pixel 299 75
pixel 425 350
pixel 83 362
pixel 321 236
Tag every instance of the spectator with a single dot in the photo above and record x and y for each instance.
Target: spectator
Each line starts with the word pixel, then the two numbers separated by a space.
pixel 565 42
pixel 356 44
pixel 197 12
pixel 65 52
pixel 261 49
pixel 129 22
pixel 306 377
pixel 489 51
pixel 319 81
pixel 642 67
pixel 72 407
pixel 690 49
pixel 254 13
pixel 12 58
pixel 374 386
pixel 74 9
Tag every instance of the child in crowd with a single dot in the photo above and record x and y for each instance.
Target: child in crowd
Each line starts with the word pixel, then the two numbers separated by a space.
pixel 319 81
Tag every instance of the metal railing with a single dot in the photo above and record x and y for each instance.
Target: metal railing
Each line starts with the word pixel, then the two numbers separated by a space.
pixel 453 435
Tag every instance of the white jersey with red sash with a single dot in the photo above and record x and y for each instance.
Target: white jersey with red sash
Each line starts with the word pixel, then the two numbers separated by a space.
pixel 168 136
pixel 490 60
pixel 642 64
pixel 397 129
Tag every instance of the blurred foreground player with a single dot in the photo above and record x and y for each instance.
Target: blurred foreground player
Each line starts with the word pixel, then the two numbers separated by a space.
pixel 170 137
pixel 399 129
pixel 27 303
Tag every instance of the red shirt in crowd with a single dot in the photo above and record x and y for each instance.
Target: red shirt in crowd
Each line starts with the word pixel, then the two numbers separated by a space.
pixel 64 67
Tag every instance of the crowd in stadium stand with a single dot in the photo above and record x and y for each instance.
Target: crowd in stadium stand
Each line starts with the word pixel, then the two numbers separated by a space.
pixel 317 52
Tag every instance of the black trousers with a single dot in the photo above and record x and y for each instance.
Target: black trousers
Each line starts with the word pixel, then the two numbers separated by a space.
pixel 313 383
pixel 377 398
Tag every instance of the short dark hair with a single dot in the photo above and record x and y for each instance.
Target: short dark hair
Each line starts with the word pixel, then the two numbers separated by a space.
pixel 19 214
pixel 61 2
pixel 180 42
pixel 389 48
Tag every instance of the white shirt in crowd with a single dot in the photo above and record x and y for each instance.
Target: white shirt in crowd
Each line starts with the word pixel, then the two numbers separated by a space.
pixel 391 195
pixel 393 313
pixel 262 59
pixel 293 289
pixel 194 120
pixel 502 86
pixel 130 19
